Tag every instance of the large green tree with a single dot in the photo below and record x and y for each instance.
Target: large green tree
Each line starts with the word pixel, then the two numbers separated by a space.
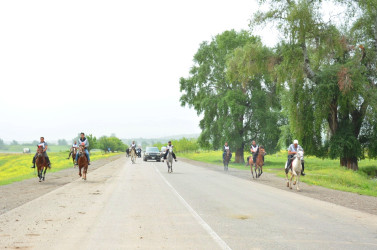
pixel 327 78
pixel 226 101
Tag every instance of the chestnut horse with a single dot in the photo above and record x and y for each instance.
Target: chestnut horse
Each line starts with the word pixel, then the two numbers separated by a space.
pixel 133 155
pixel 259 163
pixel 82 162
pixel 41 163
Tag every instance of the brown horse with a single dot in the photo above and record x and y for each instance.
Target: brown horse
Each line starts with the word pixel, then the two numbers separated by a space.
pixel 82 162
pixel 41 164
pixel 259 163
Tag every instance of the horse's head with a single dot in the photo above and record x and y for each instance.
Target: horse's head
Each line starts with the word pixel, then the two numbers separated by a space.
pixel 40 151
pixel 262 151
pixel 81 150
pixel 300 155
pixel 228 152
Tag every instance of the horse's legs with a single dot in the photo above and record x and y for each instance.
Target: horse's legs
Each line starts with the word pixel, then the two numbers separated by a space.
pixel 44 173
pixel 40 174
pixel 287 179
pixel 80 171
pixel 84 172
pixel 298 181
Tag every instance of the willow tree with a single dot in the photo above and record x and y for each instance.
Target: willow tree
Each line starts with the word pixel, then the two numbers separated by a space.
pixel 328 83
pixel 225 102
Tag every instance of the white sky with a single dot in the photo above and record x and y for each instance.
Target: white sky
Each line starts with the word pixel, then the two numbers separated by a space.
pixel 104 67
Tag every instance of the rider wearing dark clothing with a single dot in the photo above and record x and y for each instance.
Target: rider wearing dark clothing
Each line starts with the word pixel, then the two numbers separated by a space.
pixel 44 145
pixel 292 150
pixel 167 151
pixel 74 146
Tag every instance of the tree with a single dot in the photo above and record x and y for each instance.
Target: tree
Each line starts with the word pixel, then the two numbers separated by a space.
pixel 327 83
pixel 228 102
pixel 114 143
pixel 14 142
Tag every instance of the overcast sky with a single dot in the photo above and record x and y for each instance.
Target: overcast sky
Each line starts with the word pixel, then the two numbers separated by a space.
pixel 104 67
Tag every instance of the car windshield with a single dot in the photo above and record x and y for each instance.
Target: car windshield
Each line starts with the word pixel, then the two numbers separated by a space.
pixel 152 150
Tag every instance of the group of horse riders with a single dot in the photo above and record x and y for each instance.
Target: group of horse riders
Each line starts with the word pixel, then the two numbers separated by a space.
pixel 254 149
pixel 83 141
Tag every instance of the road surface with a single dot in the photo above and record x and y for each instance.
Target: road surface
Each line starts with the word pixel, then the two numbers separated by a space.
pixel 141 206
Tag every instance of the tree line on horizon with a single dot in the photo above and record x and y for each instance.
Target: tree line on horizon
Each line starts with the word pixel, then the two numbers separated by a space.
pixel 317 85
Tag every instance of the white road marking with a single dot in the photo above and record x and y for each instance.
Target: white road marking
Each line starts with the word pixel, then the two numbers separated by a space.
pixel 197 217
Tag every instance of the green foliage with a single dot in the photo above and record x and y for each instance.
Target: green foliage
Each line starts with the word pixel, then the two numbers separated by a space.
pixel 237 101
pixel 327 76
pixel 182 145
pixel 14 142
pixel 114 143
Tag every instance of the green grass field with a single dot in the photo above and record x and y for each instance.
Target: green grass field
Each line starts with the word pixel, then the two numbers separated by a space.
pixel 16 167
pixel 326 172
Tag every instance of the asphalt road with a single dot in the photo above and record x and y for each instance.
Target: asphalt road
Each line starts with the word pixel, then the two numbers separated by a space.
pixel 141 206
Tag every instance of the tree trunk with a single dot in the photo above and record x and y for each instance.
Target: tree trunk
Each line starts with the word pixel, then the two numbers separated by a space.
pixel 350 163
pixel 239 156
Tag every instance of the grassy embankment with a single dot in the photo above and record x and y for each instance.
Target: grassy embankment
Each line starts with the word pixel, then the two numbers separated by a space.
pixel 16 167
pixel 321 172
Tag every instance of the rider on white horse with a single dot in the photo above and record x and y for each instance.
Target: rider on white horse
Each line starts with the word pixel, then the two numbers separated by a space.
pixel 169 146
pixel 292 151
pixel 225 148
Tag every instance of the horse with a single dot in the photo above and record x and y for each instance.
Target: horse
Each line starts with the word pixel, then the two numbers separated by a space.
pixel 169 160
pixel 259 162
pixel 295 170
pixel 73 154
pixel 128 152
pixel 133 155
pixel 82 162
pixel 226 159
pixel 41 163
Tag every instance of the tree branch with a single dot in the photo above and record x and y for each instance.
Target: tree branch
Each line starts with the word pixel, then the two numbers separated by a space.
pixel 307 68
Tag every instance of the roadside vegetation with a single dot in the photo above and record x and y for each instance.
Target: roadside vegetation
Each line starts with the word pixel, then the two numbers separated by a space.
pixel 16 167
pixel 320 172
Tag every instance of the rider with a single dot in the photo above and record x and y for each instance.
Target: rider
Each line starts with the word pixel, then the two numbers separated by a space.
pixel 84 142
pixel 225 148
pixel 292 150
pixel 254 149
pixel 133 146
pixel 74 145
pixel 44 145
pixel 169 146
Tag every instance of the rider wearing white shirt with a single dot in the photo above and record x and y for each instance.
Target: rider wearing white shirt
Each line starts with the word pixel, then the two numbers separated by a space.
pixel 169 146
pixel 44 145
pixel 254 149
pixel 74 145
pixel 84 142
pixel 292 150
pixel 225 148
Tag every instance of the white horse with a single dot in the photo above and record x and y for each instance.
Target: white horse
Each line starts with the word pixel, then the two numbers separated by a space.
pixel 169 160
pixel 296 170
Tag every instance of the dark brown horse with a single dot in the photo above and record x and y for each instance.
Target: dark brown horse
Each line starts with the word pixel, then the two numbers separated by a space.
pixel 82 162
pixel 259 163
pixel 227 159
pixel 41 163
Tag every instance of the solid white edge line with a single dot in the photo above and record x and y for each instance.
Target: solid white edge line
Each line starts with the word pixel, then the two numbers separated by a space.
pixel 197 217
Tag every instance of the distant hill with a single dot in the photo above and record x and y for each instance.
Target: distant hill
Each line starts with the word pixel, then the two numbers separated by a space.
pixel 151 141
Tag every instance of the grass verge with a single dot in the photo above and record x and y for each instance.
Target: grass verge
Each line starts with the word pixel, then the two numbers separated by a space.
pixel 16 167
pixel 321 172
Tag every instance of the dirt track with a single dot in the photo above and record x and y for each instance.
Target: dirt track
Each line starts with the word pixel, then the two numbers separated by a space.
pixel 18 193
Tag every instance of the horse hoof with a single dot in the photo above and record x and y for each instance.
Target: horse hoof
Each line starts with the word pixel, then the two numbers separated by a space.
pixel 40 180
pixel 287 184
pixel 294 183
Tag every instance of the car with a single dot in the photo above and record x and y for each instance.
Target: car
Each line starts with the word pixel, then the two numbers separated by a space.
pixel 152 153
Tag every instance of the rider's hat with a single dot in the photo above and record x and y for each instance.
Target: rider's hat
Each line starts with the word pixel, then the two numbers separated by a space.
pixel 295 142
